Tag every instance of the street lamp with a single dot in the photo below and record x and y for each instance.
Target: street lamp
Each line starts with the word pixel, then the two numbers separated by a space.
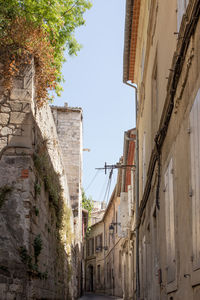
pixel 111 229
pixel 100 248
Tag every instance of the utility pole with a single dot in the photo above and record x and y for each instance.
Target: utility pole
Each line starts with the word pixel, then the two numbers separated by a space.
pixel 116 166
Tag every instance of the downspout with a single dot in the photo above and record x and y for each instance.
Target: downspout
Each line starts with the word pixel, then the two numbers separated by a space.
pixel 104 231
pixel 137 197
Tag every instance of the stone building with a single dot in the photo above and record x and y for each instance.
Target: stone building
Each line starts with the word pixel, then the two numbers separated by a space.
pixel 98 211
pixel 109 251
pixel 38 251
pixel 162 62
pixel 68 122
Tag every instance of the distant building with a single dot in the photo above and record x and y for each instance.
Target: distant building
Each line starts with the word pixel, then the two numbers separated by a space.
pixel 97 211
pixel 109 248
pixel 68 121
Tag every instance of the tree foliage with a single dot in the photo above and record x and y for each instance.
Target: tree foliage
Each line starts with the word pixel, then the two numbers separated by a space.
pixel 45 26
pixel 87 203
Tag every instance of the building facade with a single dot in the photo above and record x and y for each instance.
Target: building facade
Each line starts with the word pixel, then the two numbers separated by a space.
pixel 68 121
pixel 97 211
pixel 162 62
pixel 109 248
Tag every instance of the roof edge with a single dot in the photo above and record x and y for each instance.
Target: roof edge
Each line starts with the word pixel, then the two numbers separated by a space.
pixel 127 38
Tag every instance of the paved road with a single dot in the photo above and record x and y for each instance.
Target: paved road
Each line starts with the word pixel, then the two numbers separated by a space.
pixel 98 297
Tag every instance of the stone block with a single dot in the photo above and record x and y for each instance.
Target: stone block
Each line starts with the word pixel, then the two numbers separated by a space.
pixel 28 81
pixel 17 117
pixel 4 117
pixel 3 289
pixel 17 131
pixel 16 288
pixel 10 296
pixel 22 141
pixel 21 94
pixel 26 130
pixel 3 142
pixel 5 109
pixel 16 106
pixel 26 107
pixel 18 82
pixel 5 131
pixel 3 279
pixel 10 151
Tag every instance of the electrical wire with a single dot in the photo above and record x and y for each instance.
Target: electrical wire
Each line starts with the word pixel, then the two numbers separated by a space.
pixel 91 182
pixel 110 180
pixel 107 192
pixel 102 190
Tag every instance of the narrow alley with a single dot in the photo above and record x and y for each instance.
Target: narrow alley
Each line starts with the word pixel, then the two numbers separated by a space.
pixel 140 240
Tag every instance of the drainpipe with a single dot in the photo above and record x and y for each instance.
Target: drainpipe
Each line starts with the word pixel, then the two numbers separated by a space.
pixel 104 254
pixel 137 198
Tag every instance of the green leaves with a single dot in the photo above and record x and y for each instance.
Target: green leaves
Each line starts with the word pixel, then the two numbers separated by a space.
pixel 58 18
pixel 87 203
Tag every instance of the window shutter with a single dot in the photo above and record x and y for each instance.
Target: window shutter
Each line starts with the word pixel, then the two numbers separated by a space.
pixel 101 238
pixel 96 245
pixel 144 161
pixel 130 200
pixel 170 224
pixel 195 178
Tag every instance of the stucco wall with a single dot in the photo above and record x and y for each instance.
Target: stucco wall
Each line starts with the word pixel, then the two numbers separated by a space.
pixel 153 243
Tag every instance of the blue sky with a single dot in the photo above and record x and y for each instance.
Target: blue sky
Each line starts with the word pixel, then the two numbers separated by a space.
pixel 94 82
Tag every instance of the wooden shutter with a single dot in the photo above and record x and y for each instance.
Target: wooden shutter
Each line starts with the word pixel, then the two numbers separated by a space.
pixel 130 200
pixel 96 245
pixel 100 240
pixel 170 224
pixel 92 245
pixel 144 161
pixel 195 178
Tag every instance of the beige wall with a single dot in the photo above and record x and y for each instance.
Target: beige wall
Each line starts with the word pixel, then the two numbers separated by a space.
pixel 162 45
pixel 116 261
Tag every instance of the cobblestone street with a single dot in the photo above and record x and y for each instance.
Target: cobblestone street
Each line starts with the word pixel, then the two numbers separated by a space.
pixel 98 297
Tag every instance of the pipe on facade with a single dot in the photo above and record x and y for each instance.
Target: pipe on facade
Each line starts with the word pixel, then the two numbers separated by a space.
pixel 137 195
pixel 104 254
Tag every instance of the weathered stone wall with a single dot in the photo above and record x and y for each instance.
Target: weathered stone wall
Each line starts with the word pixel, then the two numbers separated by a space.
pixel 68 121
pixel 33 261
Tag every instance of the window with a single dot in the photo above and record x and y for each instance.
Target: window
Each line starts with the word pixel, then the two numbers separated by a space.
pixel 181 8
pixel 195 178
pixel 142 62
pixel 98 243
pixel 169 223
pixel 143 162
pixel 90 247
pixel 98 273
pixel 154 100
pixel 120 263
pixel 108 274
pixel 116 220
